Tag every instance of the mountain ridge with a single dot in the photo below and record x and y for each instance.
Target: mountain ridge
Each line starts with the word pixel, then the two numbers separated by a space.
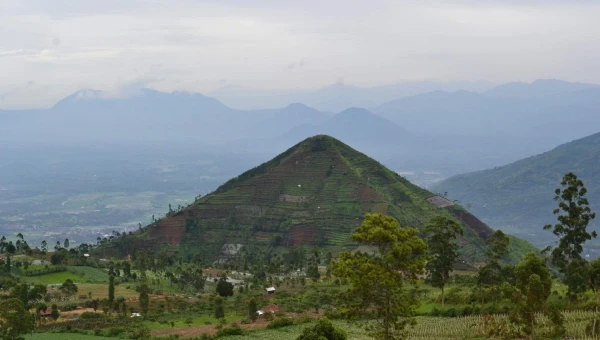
pixel 518 197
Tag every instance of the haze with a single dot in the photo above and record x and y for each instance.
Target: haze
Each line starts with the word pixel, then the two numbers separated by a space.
pixel 50 49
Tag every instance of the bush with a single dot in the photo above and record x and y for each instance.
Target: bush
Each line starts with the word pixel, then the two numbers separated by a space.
pixel 492 309
pixel 91 316
pixel 324 329
pixel 304 319
pixel 450 313
pixel 283 322
pixel 230 331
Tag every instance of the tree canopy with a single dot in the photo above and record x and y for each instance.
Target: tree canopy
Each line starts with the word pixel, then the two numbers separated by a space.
pixel 377 279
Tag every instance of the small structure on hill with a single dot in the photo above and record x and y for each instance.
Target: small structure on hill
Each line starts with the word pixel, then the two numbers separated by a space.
pixel 270 290
pixel 46 313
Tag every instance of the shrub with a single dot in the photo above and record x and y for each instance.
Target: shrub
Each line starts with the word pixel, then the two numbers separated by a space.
pixel 283 322
pixel 90 316
pixel 492 309
pixel 230 331
pixel 450 312
pixel 324 329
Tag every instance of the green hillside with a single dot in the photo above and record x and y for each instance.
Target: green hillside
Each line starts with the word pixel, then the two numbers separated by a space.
pixel 518 197
pixel 315 193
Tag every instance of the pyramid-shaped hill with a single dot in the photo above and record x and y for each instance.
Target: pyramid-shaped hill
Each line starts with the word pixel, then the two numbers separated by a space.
pixel 315 193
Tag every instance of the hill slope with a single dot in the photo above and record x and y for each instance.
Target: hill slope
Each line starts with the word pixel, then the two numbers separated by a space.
pixel 315 193
pixel 519 197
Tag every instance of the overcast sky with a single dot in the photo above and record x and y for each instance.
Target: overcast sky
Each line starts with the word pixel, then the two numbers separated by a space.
pixel 51 48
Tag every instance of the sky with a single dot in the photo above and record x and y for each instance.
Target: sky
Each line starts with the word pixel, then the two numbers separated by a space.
pixel 50 49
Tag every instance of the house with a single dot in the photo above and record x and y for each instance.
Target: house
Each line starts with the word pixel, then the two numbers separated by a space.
pixel 268 309
pixel 135 315
pixel 46 314
pixel 270 290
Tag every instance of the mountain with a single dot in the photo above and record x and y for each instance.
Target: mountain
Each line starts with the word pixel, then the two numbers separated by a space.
pixel 498 129
pixel 315 193
pixel 359 128
pixel 277 121
pixel 518 197
pixel 336 97
pixel 91 116
pixel 538 88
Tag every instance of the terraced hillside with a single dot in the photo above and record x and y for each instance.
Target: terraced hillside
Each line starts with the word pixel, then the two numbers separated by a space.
pixel 315 193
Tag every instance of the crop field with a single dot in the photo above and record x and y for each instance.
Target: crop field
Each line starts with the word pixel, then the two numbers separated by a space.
pixel 65 336
pixel 431 328
pixel 53 278
pixel 100 290
pixel 90 274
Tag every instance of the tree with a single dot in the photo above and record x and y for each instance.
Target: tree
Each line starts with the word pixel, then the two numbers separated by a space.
pixel 497 244
pixel 594 274
pixel 16 319
pixel 126 269
pixel 377 280
pixel 533 283
pixel 144 299
pixel 492 274
pixel 252 309
pixel 68 288
pixel 44 246
pixel 111 290
pixel 10 248
pixel 54 312
pixel 323 329
pixel 224 288
pixel 572 227
pixel 443 250
pixel 574 216
pixel 7 265
pixel 219 310
pixel 66 243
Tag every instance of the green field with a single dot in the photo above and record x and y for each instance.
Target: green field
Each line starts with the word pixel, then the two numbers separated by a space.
pixel 196 321
pixel 65 336
pixel 90 274
pixel 53 278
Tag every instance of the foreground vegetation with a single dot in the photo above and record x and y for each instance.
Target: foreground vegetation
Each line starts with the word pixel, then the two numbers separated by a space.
pixel 401 285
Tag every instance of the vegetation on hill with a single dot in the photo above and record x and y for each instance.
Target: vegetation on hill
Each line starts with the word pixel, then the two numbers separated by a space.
pixel 315 193
pixel 517 198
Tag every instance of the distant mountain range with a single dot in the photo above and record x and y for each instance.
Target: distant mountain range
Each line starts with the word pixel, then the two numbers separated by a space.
pixel 449 132
pixel 336 97
pixel 518 197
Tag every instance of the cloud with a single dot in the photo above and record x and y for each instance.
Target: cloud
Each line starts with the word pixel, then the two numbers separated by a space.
pixel 73 44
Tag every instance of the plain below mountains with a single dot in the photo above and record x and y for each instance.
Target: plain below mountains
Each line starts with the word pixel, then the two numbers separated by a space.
pixel 518 197
pixel 314 194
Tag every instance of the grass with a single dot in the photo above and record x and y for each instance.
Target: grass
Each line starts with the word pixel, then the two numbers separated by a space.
pixel 65 336
pixel 53 278
pixel 90 274
pixel 100 290
pixel 197 320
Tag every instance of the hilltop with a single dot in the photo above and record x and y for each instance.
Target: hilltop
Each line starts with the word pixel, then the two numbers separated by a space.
pixel 315 193
pixel 518 197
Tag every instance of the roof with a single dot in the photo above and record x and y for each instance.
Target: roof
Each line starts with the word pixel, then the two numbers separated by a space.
pixel 270 289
